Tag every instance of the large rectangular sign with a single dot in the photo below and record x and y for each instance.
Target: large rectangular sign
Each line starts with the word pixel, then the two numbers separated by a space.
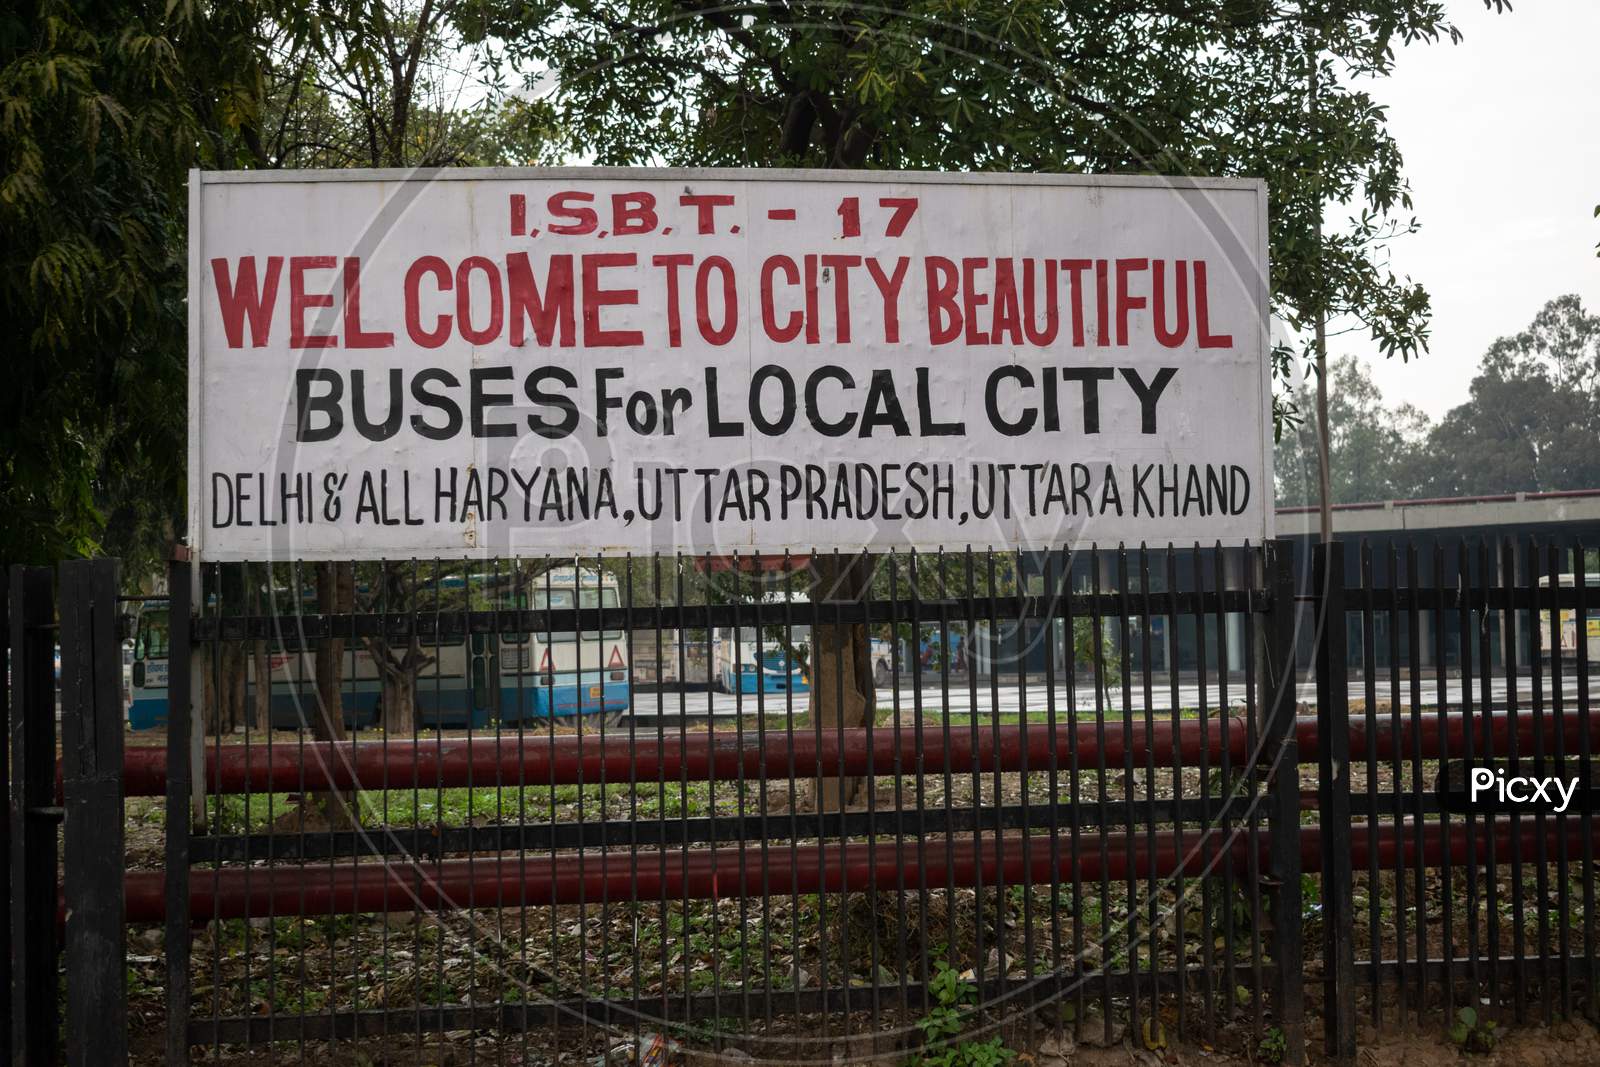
pixel 500 362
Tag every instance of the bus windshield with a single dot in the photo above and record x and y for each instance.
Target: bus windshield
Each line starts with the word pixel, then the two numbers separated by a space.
pixel 151 640
pixel 559 599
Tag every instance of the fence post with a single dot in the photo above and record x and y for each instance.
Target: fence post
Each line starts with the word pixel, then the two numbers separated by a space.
pixel 1333 802
pixel 34 1021
pixel 180 800
pixel 6 662
pixel 1284 803
pixel 93 841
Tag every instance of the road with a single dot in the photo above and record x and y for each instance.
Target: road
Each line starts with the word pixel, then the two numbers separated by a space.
pixel 1007 699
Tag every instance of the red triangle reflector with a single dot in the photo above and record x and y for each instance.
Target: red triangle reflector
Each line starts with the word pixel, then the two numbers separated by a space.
pixel 616 658
pixel 544 664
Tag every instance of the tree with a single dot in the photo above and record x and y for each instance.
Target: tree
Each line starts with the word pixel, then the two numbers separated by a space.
pixel 1529 425
pixel 1533 415
pixel 391 84
pixel 1133 86
pixel 1378 452
pixel 103 109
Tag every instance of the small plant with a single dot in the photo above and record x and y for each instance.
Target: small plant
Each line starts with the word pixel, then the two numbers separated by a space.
pixel 944 1023
pixel 1469 1034
pixel 990 1053
pixel 1273 1047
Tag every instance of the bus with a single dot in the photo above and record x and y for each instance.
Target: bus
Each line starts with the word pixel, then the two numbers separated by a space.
pixel 1568 627
pixel 670 658
pixel 147 693
pixel 777 660
pixel 468 682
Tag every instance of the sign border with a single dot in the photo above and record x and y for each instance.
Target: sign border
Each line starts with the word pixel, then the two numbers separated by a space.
pixel 198 179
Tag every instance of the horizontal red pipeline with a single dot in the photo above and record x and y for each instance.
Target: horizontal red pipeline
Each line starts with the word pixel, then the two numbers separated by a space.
pixel 695 874
pixel 729 872
pixel 569 759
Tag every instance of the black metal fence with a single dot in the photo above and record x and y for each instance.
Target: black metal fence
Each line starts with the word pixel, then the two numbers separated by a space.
pixel 540 811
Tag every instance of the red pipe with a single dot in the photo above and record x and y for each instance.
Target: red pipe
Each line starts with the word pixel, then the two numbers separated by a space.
pixel 1401 842
pixel 572 878
pixel 1490 735
pixel 696 874
pixel 569 759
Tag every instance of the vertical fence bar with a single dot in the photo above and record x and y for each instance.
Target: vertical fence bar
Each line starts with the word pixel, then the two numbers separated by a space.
pixel 1558 710
pixel 7 660
pixel 1284 802
pixel 1333 801
pixel 1508 582
pixel 1580 583
pixel 1397 780
pixel 1491 882
pixel 1369 679
pixel 1468 728
pixel 1536 700
pixel 91 757
pixel 1207 894
pixel 1442 713
pixel 180 811
pixel 33 831
pixel 1414 677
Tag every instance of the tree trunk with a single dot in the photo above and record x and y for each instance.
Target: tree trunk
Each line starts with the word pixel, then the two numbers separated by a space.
pixel 842 690
pixel 261 668
pixel 335 591
pixel 261 713
pixel 224 689
pixel 399 687
pixel 335 595
pixel 399 703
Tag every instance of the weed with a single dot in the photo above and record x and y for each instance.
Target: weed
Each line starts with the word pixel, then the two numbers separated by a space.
pixel 1274 1046
pixel 1470 1034
pixel 945 1021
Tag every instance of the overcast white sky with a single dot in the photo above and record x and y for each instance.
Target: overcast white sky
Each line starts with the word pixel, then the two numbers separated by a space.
pixel 1501 139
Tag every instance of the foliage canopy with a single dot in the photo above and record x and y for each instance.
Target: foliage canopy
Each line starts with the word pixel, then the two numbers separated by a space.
pixel 104 107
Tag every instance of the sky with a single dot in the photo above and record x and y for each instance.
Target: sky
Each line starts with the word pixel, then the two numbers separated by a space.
pixel 1501 140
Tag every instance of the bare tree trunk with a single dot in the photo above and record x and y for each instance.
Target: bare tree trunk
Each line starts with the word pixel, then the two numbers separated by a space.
pixel 842 689
pixel 399 686
pixel 335 594
pixel 399 703
pixel 261 668
pixel 261 713
pixel 224 690
pixel 327 723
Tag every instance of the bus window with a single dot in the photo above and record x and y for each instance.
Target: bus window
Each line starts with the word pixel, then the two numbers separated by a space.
pixel 562 600
pixel 602 598
pixel 151 640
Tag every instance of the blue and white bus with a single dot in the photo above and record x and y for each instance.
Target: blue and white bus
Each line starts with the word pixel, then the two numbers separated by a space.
pixel 777 660
pixel 471 681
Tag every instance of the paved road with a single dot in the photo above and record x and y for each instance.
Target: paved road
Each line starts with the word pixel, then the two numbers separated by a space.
pixel 1007 699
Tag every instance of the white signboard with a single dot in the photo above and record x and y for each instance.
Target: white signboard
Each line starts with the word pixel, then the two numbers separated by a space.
pixel 498 362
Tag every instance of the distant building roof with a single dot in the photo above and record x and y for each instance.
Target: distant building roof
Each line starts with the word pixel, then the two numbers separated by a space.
pixel 1450 513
